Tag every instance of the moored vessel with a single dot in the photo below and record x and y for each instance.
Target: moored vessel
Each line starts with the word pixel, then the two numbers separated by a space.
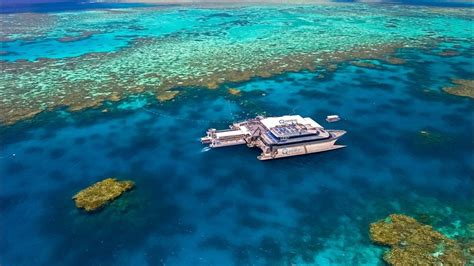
pixel 332 118
pixel 277 137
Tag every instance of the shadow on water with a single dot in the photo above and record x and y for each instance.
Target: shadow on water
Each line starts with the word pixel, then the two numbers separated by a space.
pixel 216 242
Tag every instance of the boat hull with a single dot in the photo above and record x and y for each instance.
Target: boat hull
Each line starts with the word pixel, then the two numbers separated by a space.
pixel 225 144
pixel 300 150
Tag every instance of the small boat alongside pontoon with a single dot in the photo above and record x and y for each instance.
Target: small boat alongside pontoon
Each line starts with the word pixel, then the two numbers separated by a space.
pixel 332 118
pixel 277 137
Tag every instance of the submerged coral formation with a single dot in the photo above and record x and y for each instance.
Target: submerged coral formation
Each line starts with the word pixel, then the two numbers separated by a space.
pixel 449 52
pixel 166 95
pixel 82 36
pixel 413 243
pixel 433 137
pixel 431 140
pixel 100 193
pixel 366 64
pixel 462 87
pixel 234 91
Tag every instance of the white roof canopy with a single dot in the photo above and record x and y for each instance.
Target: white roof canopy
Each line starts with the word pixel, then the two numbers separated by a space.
pixel 242 131
pixel 271 122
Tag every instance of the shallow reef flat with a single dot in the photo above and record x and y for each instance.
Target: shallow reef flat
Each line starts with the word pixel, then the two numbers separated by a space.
pixel 81 59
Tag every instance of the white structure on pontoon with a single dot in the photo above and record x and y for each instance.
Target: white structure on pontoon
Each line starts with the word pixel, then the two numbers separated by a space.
pixel 277 137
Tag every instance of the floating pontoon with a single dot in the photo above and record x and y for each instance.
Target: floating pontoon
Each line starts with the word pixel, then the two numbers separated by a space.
pixel 277 137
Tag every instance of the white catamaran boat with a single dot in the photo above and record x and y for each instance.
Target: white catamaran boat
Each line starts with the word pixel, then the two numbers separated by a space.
pixel 277 137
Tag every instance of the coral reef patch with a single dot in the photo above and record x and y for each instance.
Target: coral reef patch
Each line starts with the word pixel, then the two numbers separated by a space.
pixel 462 87
pixel 413 243
pixel 166 95
pixel 82 36
pixel 234 91
pixel 99 194
pixel 365 64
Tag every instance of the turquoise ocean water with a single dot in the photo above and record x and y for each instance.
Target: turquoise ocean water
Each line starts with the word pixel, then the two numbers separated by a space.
pixel 193 206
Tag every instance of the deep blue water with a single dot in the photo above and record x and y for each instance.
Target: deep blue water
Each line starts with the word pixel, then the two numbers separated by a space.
pixel 47 6
pixel 53 7
pixel 437 3
pixel 223 206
